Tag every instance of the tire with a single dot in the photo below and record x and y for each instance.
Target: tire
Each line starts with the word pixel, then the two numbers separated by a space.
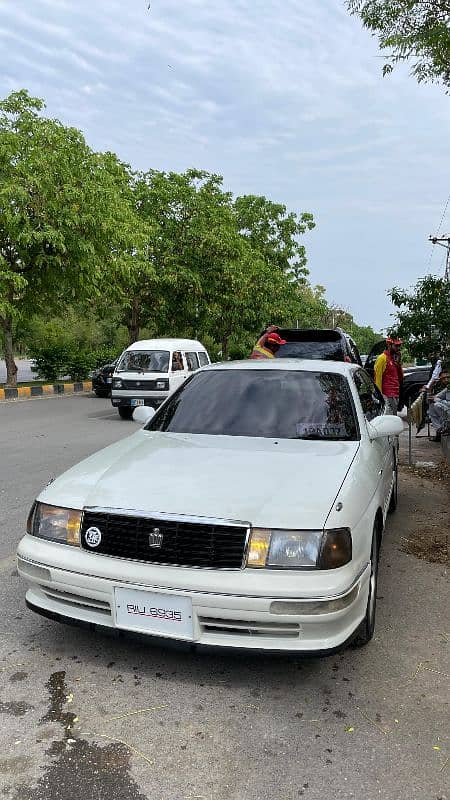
pixel 394 494
pixel 367 627
pixel 125 412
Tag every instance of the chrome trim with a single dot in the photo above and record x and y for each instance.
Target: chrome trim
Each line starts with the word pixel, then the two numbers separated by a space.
pixel 162 515
pixel 165 517
pixel 176 590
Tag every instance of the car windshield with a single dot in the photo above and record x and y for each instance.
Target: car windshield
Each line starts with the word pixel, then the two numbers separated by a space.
pixel 280 403
pixel 144 361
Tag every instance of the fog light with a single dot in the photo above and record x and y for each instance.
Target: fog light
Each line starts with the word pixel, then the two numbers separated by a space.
pixel 33 570
pixel 298 607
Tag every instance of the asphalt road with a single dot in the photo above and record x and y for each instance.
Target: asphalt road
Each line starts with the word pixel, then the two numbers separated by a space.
pixel 89 715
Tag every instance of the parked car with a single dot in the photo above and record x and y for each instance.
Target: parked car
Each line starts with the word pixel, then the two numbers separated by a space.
pixel 102 379
pixel 247 513
pixel 330 344
pixel 149 371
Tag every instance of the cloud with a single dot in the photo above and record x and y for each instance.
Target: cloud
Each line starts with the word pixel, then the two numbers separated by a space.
pixel 285 100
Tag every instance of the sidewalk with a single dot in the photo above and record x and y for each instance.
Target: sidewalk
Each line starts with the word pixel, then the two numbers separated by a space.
pixel 424 453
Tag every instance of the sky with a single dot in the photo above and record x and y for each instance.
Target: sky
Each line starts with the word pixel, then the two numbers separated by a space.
pixel 284 99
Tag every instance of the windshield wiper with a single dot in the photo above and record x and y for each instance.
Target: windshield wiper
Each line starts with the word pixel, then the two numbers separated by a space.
pixel 315 437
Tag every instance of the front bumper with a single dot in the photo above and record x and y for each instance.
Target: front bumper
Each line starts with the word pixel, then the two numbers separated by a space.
pixel 226 617
pixel 149 399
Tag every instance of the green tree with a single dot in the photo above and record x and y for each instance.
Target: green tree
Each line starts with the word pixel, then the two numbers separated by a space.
pixel 424 316
pixel 65 216
pixel 273 232
pixel 416 31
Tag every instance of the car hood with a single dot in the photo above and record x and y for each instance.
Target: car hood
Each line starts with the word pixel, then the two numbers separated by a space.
pixel 268 483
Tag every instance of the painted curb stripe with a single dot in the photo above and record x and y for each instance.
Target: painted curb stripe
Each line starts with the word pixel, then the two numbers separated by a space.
pixel 49 388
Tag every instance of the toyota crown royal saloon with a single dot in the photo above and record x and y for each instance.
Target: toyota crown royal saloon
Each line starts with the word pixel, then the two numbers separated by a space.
pixel 246 513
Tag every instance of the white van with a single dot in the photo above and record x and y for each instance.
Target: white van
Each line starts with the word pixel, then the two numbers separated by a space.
pixel 148 371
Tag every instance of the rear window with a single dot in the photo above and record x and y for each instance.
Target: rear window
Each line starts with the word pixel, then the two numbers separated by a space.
pixel 325 351
pixel 283 404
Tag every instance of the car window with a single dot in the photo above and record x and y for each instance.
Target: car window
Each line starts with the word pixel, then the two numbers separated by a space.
pixel 203 358
pixel 281 403
pixel 144 361
pixel 177 361
pixel 372 400
pixel 192 361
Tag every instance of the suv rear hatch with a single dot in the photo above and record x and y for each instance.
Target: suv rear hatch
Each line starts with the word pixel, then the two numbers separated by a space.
pixel 326 345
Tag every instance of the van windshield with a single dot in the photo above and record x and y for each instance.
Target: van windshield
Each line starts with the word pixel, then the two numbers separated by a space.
pixel 144 361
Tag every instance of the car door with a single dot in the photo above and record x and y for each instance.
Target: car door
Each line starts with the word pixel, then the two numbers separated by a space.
pixel 376 350
pixel 383 449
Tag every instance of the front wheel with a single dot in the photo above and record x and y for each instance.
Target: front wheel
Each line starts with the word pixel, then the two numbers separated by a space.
pixel 366 629
pixel 125 412
pixel 394 493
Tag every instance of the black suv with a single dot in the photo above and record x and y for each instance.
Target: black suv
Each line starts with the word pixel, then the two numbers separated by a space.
pixel 102 379
pixel 321 343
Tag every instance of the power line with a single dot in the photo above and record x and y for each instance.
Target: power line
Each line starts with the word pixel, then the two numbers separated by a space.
pixel 444 241
pixel 439 228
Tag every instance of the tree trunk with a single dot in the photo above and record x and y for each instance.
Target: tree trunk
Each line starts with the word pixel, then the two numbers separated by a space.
pixel 11 369
pixel 134 323
pixel 225 347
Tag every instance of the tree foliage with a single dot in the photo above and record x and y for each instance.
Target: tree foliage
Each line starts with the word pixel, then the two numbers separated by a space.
pixel 416 31
pixel 83 238
pixel 424 316
pixel 65 214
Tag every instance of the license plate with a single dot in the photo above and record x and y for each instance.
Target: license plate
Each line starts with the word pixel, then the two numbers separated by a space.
pixel 136 402
pixel 154 613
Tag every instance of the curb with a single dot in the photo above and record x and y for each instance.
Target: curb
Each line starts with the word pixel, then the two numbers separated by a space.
pixel 26 392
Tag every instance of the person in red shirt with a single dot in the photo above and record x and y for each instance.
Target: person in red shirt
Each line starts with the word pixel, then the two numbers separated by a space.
pixel 389 374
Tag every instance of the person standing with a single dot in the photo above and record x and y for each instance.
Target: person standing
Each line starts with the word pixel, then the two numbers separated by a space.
pixel 268 344
pixel 435 373
pixel 389 374
pixel 439 408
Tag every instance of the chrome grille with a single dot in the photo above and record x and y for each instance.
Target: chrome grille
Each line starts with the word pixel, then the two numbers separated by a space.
pixel 180 543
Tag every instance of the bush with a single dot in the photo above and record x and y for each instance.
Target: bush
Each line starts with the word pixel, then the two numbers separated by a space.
pixel 49 360
pixel 55 361
pixel 79 364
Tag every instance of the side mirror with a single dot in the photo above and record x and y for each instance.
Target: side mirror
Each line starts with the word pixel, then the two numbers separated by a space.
pixel 143 414
pixel 386 425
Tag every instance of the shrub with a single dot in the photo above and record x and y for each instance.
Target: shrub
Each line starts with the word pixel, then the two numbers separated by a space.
pixel 79 364
pixel 49 360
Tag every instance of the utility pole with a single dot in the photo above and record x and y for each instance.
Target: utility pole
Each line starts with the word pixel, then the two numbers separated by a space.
pixel 444 241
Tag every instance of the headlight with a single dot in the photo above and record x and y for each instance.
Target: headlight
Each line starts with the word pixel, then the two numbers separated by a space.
pixel 117 383
pixel 281 549
pixel 161 385
pixel 55 524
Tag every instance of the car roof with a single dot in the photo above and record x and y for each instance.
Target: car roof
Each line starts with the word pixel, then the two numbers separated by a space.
pixel 166 344
pixel 293 364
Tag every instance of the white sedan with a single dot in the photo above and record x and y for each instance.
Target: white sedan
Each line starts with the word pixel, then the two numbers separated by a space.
pixel 248 512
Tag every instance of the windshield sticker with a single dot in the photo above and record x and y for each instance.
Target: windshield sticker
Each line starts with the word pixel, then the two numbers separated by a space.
pixel 327 430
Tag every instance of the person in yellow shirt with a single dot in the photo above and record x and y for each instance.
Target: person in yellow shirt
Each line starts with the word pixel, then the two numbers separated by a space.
pixel 389 374
pixel 268 344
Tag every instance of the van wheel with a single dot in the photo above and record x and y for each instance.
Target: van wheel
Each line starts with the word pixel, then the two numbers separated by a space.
pixel 367 627
pixel 125 412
